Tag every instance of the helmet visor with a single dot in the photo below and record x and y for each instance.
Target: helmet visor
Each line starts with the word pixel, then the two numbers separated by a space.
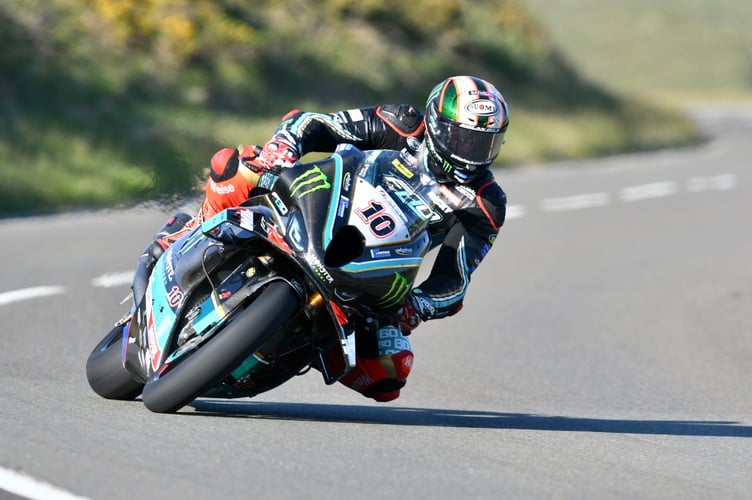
pixel 467 145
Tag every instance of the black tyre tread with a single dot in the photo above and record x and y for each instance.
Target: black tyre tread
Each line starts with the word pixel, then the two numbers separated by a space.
pixel 105 371
pixel 221 354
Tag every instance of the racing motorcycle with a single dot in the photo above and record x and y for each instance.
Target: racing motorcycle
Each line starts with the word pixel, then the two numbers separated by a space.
pixel 264 291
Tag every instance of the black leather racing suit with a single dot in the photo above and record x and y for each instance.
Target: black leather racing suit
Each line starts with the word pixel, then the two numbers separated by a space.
pixel 471 214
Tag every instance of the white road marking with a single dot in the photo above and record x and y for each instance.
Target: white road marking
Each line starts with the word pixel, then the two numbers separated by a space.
pixel 577 202
pixel 721 182
pixel 29 293
pixel 629 194
pixel 110 280
pixel 648 191
pixel 717 183
pixel 515 211
pixel 28 487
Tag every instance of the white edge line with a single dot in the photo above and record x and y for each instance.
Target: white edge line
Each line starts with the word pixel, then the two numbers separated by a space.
pixel 28 487
pixel 577 202
pixel 648 191
pixel 515 211
pixel 110 280
pixel 717 183
pixel 29 293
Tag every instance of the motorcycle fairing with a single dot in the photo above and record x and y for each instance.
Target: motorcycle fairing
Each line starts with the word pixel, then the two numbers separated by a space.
pixel 159 326
pixel 268 217
pixel 379 270
pixel 388 202
pixel 179 300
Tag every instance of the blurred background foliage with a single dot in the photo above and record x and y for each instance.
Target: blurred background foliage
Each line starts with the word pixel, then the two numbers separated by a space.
pixel 106 102
pixel 677 51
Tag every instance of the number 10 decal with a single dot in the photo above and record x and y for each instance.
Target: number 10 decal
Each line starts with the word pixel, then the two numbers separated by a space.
pixel 381 223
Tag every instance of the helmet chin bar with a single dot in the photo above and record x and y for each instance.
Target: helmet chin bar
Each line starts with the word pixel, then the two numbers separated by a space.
pixel 445 170
pixel 441 169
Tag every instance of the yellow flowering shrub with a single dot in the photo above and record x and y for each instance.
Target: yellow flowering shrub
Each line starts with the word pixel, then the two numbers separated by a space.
pixel 173 31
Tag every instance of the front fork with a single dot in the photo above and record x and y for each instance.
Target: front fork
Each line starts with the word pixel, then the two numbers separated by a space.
pixel 336 361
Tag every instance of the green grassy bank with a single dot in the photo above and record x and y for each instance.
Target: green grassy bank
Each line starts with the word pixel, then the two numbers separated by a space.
pixel 108 102
pixel 673 51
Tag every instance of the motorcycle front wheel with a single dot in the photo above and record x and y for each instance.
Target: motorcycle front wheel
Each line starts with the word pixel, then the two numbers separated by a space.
pixel 217 357
pixel 105 371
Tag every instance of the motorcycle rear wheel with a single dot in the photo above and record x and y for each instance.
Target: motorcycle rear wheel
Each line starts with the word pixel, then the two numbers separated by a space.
pixel 213 360
pixel 105 371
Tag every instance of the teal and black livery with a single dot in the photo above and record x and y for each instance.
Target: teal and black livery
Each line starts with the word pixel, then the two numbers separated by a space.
pixel 264 291
pixel 192 287
pixel 373 235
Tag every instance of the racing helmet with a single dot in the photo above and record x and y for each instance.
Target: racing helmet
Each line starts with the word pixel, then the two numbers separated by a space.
pixel 466 121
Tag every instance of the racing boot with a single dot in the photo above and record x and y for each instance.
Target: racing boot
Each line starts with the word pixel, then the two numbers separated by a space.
pixel 175 227
pixel 383 362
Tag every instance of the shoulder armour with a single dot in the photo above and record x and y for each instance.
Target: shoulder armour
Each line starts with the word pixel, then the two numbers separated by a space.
pixel 402 118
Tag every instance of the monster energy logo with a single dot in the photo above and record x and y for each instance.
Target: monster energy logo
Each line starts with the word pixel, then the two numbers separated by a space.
pixel 395 295
pixel 310 181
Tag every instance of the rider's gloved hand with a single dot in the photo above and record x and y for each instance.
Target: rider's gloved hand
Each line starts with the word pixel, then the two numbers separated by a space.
pixel 273 156
pixel 249 155
pixel 277 154
pixel 414 309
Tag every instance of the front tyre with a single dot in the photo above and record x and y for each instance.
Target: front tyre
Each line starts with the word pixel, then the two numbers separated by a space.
pixel 213 360
pixel 105 371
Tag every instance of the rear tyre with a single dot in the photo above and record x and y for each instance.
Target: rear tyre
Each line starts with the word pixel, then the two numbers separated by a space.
pixel 212 361
pixel 105 371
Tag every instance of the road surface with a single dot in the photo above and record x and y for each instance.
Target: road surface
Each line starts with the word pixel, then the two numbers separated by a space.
pixel 603 352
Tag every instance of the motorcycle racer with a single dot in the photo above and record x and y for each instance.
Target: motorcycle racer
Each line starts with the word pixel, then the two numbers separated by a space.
pixel 458 138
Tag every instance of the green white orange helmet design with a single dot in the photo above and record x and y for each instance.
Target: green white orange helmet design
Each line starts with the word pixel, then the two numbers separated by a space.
pixel 466 121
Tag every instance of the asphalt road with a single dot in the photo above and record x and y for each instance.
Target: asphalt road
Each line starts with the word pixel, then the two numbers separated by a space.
pixel 603 352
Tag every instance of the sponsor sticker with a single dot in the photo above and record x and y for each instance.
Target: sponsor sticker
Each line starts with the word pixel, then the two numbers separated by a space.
pixel 279 204
pixel 319 269
pixel 344 203
pixel 174 296
pixel 482 107
pixel 380 253
pixel 402 169
pixel 310 181
pixel 396 293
